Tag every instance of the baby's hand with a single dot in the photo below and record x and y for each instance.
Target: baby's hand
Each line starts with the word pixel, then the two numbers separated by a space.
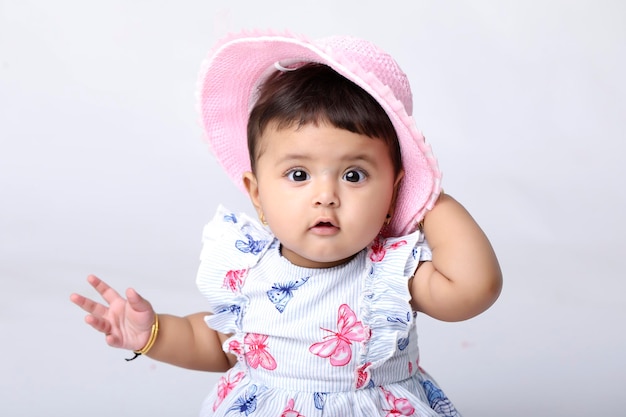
pixel 126 323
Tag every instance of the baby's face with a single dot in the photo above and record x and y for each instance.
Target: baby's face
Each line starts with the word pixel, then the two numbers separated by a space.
pixel 325 192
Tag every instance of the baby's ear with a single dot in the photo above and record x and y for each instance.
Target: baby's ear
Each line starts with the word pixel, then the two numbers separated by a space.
pixel 252 186
pixel 396 189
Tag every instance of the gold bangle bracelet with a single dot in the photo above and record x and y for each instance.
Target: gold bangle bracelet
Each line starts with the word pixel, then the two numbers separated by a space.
pixel 154 331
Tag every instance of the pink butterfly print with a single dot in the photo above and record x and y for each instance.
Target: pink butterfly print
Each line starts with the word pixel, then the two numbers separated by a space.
pixel 257 353
pixel 399 406
pixel 289 411
pixel 234 279
pixel 338 346
pixel 235 347
pixel 418 368
pixel 363 375
pixel 225 386
pixel 379 250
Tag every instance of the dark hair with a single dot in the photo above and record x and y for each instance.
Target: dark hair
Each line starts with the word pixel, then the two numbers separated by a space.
pixel 315 93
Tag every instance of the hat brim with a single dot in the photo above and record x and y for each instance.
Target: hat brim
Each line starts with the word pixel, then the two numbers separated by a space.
pixel 227 89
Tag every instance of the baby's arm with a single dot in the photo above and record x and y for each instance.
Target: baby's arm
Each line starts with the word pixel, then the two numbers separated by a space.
pixel 464 277
pixel 126 323
pixel 189 343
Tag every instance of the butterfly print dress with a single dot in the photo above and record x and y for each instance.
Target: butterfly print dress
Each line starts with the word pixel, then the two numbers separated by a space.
pixel 336 342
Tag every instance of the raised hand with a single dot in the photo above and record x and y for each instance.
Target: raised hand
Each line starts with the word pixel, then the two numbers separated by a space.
pixel 126 322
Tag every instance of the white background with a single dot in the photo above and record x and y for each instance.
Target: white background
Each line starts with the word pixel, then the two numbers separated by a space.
pixel 103 170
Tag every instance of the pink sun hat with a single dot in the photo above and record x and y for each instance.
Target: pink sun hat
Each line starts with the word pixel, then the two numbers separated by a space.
pixel 237 65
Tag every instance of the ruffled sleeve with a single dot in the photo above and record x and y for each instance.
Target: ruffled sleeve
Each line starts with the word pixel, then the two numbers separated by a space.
pixel 386 298
pixel 232 244
pixel 420 253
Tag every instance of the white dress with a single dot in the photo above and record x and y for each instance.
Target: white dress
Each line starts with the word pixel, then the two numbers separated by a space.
pixel 337 342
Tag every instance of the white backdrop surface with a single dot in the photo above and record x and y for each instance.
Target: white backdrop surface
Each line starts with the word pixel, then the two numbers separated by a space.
pixel 103 170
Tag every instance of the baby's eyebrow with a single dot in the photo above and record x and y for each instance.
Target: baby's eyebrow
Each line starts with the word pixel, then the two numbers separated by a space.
pixel 349 158
pixel 358 157
pixel 294 157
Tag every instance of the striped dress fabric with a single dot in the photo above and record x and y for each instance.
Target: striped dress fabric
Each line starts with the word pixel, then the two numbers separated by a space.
pixel 338 341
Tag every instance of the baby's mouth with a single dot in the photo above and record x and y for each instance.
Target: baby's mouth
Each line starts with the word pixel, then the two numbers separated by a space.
pixel 325 228
pixel 324 224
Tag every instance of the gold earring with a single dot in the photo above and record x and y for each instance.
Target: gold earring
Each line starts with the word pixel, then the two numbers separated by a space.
pixel 262 218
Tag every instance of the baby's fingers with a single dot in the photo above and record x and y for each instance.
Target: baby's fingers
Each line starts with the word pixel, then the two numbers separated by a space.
pixel 88 305
pixel 108 293
pixel 99 324
pixel 137 302
pixel 104 326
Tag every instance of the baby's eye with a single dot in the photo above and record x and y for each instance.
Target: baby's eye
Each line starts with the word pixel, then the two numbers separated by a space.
pixel 297 175
pixel 355 175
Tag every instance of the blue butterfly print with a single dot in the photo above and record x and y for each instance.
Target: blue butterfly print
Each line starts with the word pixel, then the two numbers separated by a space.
pixel 280 294
pixel 438 400
pixel 246 404
pixel 319 398
pixel 230 218
pixel 234 309
pixel 403 342
pixel 251 246
pixel 400 319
